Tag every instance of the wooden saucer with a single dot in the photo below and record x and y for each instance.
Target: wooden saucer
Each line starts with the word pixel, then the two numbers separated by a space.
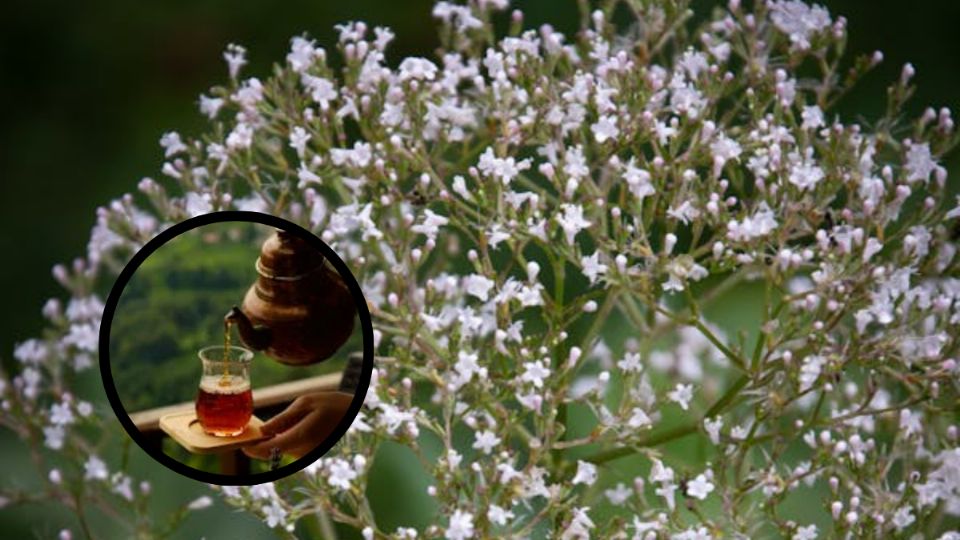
pixel 184 427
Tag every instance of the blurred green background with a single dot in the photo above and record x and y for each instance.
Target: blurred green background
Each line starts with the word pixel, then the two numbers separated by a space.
pixel 89 87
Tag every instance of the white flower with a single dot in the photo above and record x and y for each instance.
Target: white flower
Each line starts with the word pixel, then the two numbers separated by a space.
pixel 638 179
pixel 810 371
pixel 693 533
pixel 808 532
pixel 210 106
pixel 466 367
pixel 431 224
pixel 618 495
pixel 263 491
pixel 340 473
pixel 592 268
pixel 664 131
pixel 630 363
pixel 572 221
pixel 95 469
pixel 605 129
pixel 252 203
pixel 83 309
pixel 485 441
pixel 911 422
pixel 531 295
pixel 196 204
pixel 31 351
pixel 641 527
pixel 123 486
pixel 660 473
pixel 322 91
pixel 903 518
pixel 532 401
pixel 760 224
pixel 693 62
pixel 535 372
pixel 393 418
pixel 461 15
pixel 681 395
pixel 306 176
pixel 236 57
pixel 453 459
pixel 684 213
pixel 586 473
pixel 496 234
pixel 417 68
pixel 60 414
pixel 668 490
pixel 200 503
pixel 919 163
pixel 302 53
pixel 460 527
pixel 358 156
pixel 805 174
pixel 712 427
pixel 799 20
pixel 298 140
pixel 812 117
pixel 639 419
pixel 171 143
pixel 241 137
pixel 274 514
pixel 53 437
pixel 498 515
pixel 460 187
pixel 575 164
pixel 681 269
pixel 699 487
pixel 478 286
pixel 579 527
pixel 506 169
pixel 724 149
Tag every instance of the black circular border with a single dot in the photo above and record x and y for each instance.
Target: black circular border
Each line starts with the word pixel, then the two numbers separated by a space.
pixel 263 219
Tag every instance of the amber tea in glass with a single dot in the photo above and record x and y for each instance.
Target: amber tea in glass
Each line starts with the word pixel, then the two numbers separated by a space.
pixel 224 400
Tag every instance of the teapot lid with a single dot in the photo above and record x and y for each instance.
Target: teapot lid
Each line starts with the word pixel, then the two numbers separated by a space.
pixel 287 257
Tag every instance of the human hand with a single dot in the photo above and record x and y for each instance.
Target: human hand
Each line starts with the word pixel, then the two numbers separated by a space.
pixel 302 426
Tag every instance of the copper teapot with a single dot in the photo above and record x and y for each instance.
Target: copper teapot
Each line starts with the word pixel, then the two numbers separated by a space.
pixel 299 311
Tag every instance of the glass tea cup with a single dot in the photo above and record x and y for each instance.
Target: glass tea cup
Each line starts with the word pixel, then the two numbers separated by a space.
pixel 224 400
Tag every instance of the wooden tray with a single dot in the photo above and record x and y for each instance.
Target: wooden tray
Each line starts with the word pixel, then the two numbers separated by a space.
pixel 184 427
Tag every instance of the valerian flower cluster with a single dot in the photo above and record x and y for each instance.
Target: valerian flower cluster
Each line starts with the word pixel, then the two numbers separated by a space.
pixel 513 204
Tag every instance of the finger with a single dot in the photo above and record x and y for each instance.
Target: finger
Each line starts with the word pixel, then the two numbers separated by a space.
pixel 288 417
pixel 286 442
pixel 260 450
pixel 309 433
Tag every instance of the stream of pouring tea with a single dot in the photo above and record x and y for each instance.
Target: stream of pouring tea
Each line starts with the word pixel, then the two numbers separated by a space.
pixel 225 380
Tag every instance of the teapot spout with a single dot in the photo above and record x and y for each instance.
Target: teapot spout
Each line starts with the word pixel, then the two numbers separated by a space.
pixel 257 337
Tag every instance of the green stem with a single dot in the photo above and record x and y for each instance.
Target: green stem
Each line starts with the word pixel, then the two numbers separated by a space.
pixel 326 526
pixel 735 358
pixel 667 435
pixel 656 439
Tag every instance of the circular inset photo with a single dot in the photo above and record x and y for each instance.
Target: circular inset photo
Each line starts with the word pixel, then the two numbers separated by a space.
pixel 236 348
